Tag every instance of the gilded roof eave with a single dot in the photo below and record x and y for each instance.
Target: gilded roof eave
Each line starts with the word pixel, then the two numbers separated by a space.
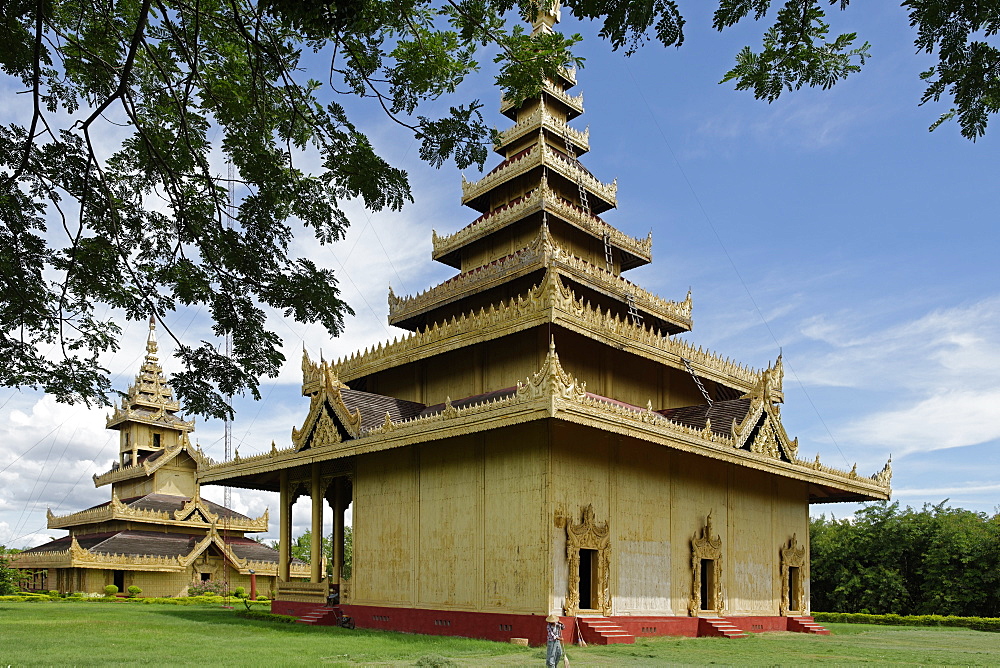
pixel 540 120
pixel 144 468
pixel 195 514
pixel 552 393
pixel 79 557
pixel 159 418
pixel 543 198
pixel 540 155
pixel 549 302
pixel 542 253
pixel 574 103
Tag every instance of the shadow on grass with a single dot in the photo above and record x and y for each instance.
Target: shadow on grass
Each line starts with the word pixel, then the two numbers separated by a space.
pixel 414 641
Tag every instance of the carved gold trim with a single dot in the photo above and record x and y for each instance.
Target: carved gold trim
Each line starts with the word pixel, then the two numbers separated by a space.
pixel 587 535
pixel 573 102
pixel 549 301
pixel 706 545
pixel 319 430
pixel 793 555
pixel 542 119
pixel 541 198
pixel 146 469
pixel 316 377
pixel 536 156
pixel 554 393
pixel 157 419
pixel 186 516
pixel 79 557
pixel 883 477
pixel 542 252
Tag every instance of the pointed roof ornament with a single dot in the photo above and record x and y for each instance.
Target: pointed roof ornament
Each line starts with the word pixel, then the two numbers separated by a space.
pixel 548 16
pixel 150 398
pixel 151 344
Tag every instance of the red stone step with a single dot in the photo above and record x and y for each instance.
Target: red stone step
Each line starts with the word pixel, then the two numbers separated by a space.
pixel 719 628
pixel 603 631
pixel 316 616
pixel 806 625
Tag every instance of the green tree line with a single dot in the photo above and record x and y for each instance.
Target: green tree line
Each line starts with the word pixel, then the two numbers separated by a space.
pixel 936 560
pixel 302 550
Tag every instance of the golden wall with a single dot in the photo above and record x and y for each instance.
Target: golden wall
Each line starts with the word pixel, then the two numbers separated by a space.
pixel 656 500
pixel 469 523
pixel 455 524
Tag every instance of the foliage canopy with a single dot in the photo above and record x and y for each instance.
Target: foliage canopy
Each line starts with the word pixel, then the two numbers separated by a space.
pixel 934 561
pixel 111 187
pixel 10 577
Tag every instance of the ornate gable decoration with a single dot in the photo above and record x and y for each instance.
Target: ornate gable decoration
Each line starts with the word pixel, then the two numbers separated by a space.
pixel 213 538
pixel 328 417
pixel 147 469
pixel 196 510
pixel 761 430
pixel 552 380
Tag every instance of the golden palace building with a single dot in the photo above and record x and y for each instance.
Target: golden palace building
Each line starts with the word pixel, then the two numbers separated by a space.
pixel 543 442
pixel 157 532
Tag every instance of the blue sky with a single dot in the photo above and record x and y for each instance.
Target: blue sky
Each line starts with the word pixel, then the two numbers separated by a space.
pixel 829 225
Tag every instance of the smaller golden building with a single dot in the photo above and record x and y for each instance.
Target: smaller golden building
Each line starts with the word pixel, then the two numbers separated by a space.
pixel 156 532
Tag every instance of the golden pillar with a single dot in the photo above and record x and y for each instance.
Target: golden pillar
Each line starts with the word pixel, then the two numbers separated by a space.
pixel 316 548
pixel 285 528
pixel 338 528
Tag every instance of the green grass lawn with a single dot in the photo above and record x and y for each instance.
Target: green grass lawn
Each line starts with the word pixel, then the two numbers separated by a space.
pixel 82 634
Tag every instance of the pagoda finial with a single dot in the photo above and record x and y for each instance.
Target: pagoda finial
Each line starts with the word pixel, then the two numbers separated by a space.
pixel 548 16
pixel 151 345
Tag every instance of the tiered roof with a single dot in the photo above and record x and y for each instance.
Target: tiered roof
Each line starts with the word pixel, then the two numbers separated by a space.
pixel 149 399
pixel 154 531
pixel 542 198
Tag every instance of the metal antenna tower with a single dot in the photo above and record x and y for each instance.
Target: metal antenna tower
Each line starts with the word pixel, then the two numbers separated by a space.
pixel 228 436
pixel 227 493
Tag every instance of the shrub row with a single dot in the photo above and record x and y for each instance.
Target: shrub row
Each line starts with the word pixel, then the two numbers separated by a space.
pixel 262 616
pixel 977 623
pixel 180 600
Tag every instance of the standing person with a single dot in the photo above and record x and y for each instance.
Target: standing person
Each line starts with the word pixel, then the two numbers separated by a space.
pixel 553 644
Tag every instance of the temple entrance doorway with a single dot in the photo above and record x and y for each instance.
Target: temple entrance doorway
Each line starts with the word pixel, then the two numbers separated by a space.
pixel 588 579
pixel 708 584
pixel 793 587
pixel 119 582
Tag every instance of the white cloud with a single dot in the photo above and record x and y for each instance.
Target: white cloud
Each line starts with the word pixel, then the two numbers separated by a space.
pixel 935 375
pixel 946 349
pixel 950 420
pixel 989 489
pixel 806 121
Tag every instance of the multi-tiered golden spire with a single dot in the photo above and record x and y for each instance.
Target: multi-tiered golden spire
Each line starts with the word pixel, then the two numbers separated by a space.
pixel 150 389
pixel 540 212
pixel 149 402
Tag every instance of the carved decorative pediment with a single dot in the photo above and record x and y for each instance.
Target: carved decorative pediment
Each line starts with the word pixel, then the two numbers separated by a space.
pixel 196 510
pixel 552 380
pixel 328 419
pixel 761 430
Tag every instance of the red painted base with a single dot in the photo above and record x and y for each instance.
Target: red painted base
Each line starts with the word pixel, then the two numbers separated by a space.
pixel 502 627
